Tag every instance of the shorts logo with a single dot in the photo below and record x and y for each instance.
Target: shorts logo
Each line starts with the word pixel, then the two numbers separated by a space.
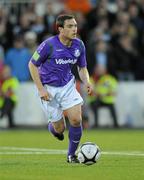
pixel 59 50
pixel 77 53
pixel 76 99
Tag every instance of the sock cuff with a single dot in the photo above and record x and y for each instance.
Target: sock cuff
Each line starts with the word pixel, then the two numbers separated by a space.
pixel 75 128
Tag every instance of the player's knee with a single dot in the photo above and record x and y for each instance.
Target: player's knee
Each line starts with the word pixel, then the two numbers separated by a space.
pixel 60 129
pixel 76 122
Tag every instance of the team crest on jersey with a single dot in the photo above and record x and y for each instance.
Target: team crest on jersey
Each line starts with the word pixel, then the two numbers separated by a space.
pixel 77 53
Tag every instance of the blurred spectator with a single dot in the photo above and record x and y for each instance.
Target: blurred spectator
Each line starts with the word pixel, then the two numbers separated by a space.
pixel 101 54
pixel 126 58
pixel 121 5
pixel 101 32
pixel 23 25
pixel 1 69
pixel 98 12
pixel 105 20
pixel 1 54
pixel 38 27
pixel 83 6
pixel 138 22
pixel 133 10
pixel 49 18
pixel 80 18
pixel 17 59
pixel 1 64
pixel 105 87
pixel 103 24
pixel 30 39
pixel 5 29
pixel 123 18
pixel 8 98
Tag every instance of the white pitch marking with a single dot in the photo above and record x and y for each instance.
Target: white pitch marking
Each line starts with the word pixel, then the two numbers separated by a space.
pixel 5 150
pixel 30 152
pixel 132 153
pixel 30 149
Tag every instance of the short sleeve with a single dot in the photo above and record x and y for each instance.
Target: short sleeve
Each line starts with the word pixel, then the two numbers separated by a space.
pixel 41 54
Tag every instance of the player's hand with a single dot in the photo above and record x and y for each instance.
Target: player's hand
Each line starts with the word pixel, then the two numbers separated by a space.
pixel 89 88
pixel 44 95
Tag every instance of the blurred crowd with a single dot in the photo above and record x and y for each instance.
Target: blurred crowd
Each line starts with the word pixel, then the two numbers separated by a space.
pixel 112 30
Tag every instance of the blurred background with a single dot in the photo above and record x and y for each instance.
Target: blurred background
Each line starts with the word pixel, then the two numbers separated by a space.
pixel 113 33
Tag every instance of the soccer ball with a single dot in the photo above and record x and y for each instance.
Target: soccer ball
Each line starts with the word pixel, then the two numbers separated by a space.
pixel 88 153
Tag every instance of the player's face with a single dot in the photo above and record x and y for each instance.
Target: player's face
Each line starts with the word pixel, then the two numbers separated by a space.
pixel 70 29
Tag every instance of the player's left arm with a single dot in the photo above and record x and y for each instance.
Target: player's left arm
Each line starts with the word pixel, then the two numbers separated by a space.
pixel 82 69
pixel 84 76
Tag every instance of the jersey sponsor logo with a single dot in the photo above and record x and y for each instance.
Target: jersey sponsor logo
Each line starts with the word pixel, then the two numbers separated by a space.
pixel 77 53
pixel 65 61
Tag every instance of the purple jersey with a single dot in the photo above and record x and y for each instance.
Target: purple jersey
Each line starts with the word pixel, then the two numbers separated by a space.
pixel 55 60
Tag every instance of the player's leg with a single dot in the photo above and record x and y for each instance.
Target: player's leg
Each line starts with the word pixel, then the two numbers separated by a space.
pixel 113 114
pixel 94 107
pixel 54 114
pixel 57 128
pixel 71 102
pixel 7 110
pixel 75 130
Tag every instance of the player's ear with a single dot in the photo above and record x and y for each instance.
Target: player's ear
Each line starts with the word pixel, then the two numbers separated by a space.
pixel 60 29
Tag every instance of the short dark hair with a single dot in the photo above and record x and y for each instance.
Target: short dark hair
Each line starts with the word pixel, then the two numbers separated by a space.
pixel 61 19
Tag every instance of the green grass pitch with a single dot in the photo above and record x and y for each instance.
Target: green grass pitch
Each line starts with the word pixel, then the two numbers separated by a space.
pixel 36 155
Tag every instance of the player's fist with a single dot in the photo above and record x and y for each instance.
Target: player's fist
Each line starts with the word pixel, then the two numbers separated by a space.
pixel 44 95
pixel 89 88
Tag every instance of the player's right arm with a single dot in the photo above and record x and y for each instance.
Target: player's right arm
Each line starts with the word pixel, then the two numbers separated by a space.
pixel 37 59
pixel 36 78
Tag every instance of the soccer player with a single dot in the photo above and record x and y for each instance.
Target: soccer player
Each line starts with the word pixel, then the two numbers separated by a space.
pixel 50 68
